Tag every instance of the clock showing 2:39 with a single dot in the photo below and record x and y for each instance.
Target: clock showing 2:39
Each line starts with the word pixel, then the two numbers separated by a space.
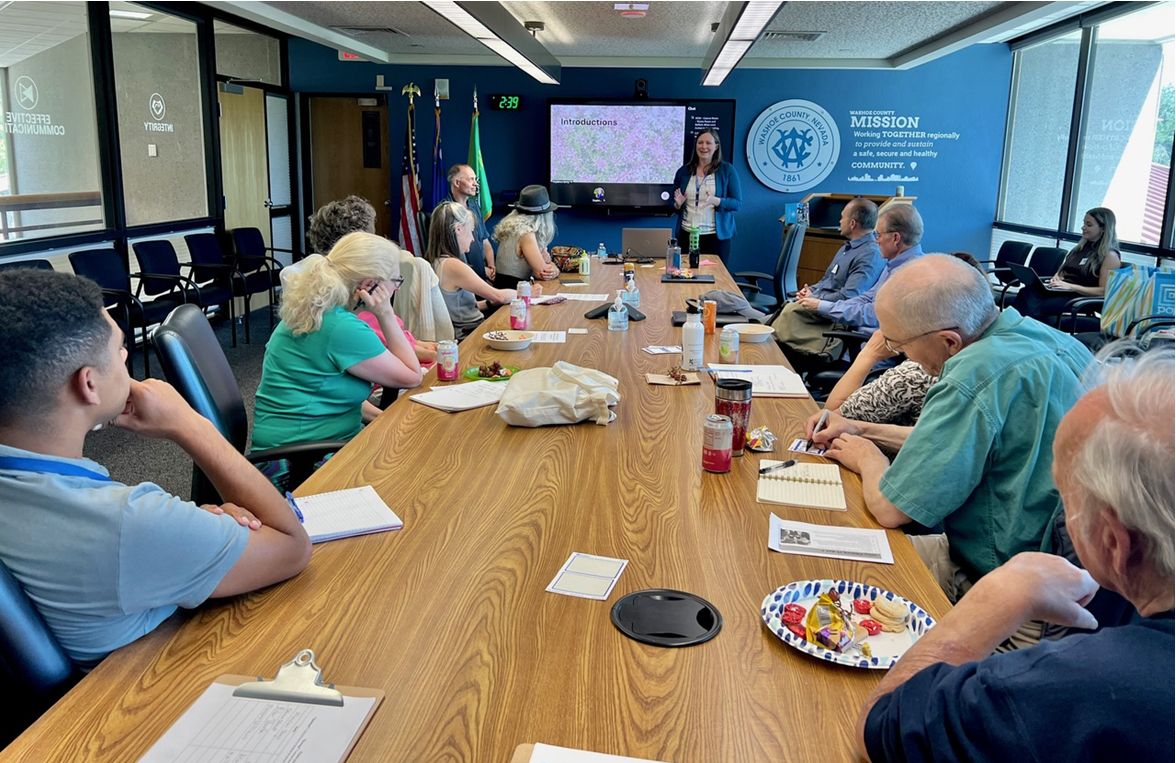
pixel 506 102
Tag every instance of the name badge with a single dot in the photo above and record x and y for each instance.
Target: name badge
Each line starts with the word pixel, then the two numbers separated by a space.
pixel 1083 261
pixel 834 271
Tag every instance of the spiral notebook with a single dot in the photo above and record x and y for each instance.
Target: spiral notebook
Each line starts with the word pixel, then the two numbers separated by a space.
pixel 811 486
pixel 345 513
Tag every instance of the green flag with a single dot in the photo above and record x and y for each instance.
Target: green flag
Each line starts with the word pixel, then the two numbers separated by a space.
pixel 475 161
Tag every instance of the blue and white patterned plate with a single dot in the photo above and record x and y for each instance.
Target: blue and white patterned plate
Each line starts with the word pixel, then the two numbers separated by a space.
pixel 886 647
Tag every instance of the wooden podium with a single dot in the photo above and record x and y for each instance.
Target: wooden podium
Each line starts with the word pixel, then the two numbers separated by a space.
pixel 823 238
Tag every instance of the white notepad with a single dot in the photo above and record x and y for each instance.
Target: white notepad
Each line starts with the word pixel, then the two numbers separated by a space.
pixel 344 513
pixel 462 397
pixel 812 486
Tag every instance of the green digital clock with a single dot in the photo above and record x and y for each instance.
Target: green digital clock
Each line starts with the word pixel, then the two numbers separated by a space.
pixel 506 102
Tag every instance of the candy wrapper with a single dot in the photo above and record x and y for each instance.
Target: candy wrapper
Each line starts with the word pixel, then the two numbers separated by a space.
pixel 827 625
pixel 761 439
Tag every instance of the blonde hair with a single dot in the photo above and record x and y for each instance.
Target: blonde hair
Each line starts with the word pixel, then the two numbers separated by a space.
pixel 517 223
pixel 320 284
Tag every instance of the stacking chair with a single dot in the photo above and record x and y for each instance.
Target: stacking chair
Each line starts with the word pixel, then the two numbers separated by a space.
pixel 161 276
pixel 107 268
pixel 194 363
pixel 252 257
pixel 783 280
pixel 1010 251
pixel 1044 261
pixel 27 264
pixel 206 250
pixel 34 670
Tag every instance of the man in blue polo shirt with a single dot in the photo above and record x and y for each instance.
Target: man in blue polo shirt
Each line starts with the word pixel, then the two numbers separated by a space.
pixel 463 187
pixel 103 562
pixel 1087 697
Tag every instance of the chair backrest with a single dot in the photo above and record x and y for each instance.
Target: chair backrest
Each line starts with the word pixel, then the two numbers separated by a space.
pixel 1016 252
pixel 1047 259
pixel 248 242
pixel 36 671
pixel 104 267
pixel 785 281
pixel 158 256
pixel 205 249
pixel 33 264
pixel 194 363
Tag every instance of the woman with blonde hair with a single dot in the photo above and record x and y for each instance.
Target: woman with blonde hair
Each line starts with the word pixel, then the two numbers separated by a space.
pixel 322 360
pixel 523 237
pixel 1084 272
pixel 451 231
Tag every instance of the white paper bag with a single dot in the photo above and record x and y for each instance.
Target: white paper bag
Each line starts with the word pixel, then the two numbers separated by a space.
pixel 562 394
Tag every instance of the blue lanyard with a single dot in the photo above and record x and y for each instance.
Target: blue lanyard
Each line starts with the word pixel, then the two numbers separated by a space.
pixel 697 189
pixel 19 464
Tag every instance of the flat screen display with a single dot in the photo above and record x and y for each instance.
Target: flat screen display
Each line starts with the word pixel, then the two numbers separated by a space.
pixel 623 154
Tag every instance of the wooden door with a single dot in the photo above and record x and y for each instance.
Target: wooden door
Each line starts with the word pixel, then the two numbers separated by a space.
pixel 337 157
pixel 244 164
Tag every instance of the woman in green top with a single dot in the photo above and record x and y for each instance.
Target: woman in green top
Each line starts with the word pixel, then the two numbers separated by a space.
pixel 322 360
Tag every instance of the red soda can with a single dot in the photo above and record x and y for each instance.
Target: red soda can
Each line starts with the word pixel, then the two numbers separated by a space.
pixel 446 360
pixel 716 443
pixel 518 314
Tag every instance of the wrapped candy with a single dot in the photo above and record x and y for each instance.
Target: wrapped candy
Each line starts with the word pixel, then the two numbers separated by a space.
pixel 827 625
pixel 761 439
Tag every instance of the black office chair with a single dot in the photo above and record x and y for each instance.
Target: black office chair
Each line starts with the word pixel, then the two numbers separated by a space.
pixel 1137 329
pixel 1015 252
pixel 251 256
pixel 206 250
pixel 161 275
pixel 194 363
pixel 27 264
pixel 783 280
pixel 107 268
pixel 1044 261
pixel 34 670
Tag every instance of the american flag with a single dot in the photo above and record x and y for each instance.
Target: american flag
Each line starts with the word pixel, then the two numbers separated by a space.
pixel 410 190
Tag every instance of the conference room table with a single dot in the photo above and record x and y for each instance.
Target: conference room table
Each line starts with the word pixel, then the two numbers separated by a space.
pixel 450 618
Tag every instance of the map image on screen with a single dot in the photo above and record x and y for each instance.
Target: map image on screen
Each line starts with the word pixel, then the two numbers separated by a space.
pixel 604 144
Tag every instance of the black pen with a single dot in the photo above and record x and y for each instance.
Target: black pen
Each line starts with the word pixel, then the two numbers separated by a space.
pixel 808 445
pixel 777 467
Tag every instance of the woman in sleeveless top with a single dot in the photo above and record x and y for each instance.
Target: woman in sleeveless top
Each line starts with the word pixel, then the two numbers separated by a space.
pixel 451 230
pixel 523 237
pixel 1084 272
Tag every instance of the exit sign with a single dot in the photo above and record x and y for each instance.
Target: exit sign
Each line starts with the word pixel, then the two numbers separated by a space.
pixel 345 56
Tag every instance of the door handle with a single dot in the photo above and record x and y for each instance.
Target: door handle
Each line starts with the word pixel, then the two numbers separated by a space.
pixel 267 203
pixel 387 202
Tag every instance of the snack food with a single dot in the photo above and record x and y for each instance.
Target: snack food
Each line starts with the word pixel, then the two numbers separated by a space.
pixel 793 614
pixel 862 606
pixel 873 627
pixel 827 625
pixel 494 371
pixel 683 273
pixel 499 336
pixel 677 374
pixel 892 615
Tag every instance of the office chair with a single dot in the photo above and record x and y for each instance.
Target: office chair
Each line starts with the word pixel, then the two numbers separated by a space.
pixel 783 279
pixel 161 276
pixel 107 268
pixel 34 670
pixel 33 264
pixel 1010 251
pixel 251 256
pixel 1137 329
pixel 206 250
pixel 1044 261
pixel 194 363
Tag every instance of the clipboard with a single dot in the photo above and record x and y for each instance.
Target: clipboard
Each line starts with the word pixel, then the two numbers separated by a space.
pixel 299 684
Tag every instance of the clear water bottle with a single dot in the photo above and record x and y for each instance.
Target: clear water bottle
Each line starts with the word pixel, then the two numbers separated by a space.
pixel 602 251
pixel 676 254
pixel 618 315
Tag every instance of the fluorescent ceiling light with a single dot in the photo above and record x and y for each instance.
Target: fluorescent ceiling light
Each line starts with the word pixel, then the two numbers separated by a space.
pixel 138 16
pixel 741 26
pixel 466 22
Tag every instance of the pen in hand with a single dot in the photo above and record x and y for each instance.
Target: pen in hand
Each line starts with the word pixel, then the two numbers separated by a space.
pixel 808 445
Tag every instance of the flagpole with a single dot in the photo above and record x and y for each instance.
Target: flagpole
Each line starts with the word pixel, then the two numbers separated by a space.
pixel 410 182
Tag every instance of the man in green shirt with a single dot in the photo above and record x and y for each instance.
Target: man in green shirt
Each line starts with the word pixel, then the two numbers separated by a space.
pixel 978 460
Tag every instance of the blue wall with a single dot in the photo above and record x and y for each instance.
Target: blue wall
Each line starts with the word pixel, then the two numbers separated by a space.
pixel 965 93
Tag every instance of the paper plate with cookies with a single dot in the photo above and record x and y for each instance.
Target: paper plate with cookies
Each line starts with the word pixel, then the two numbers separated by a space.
pixel 841 621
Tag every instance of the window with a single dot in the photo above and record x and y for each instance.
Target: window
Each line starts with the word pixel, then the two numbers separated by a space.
pixel 50 178
pixel 1115 74
pixel 160 115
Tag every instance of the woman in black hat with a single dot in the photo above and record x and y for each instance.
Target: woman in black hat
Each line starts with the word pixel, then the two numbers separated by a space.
pixel 523 237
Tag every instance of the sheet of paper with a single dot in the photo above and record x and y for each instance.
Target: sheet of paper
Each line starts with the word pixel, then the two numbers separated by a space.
pixel 855 543
pixel 797 446
pixel 588 576
pixel 346 513
pixel 656 349
pixel 549 337
pixel 577 331
pixel 766 381
pixel 586 297
pixel 462 397
pixel 545 753
pixel 220 727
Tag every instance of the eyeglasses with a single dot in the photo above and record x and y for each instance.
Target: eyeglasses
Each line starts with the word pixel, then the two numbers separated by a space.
pixel 396 282
pixel 893 345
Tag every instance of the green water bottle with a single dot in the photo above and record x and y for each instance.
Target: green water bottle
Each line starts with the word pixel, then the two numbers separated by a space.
pixel 693 238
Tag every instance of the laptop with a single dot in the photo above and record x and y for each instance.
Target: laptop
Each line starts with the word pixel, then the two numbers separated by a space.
pixel 1028 276
pixel 645 242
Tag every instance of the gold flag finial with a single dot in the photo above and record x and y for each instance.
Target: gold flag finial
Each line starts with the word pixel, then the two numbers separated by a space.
pixel 410 90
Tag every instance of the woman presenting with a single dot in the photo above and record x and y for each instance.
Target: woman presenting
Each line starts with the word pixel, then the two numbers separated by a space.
pixel 707 195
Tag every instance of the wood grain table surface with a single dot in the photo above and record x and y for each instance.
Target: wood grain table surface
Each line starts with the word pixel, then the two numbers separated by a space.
pixel 450 618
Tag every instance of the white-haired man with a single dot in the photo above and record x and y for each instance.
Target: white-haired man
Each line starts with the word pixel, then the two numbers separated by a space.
pixel 978 460
pixel 1101 696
